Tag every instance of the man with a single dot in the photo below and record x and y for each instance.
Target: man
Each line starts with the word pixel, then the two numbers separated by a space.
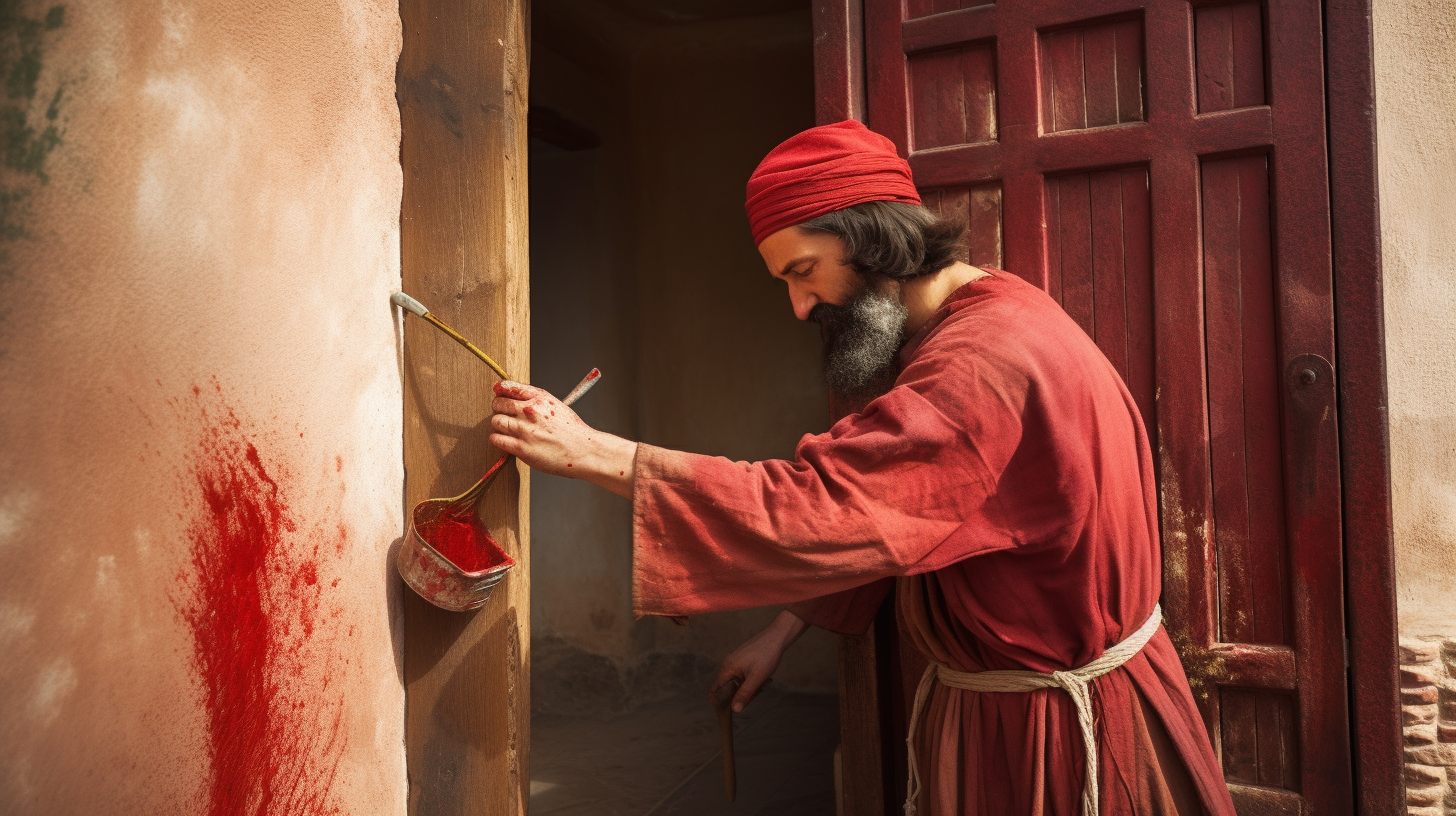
pixel 997 469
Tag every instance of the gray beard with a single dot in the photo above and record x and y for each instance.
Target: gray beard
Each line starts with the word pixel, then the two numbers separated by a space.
pixel 861 341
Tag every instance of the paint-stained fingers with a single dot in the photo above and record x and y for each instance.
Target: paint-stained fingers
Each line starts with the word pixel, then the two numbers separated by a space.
pixel 507 406
pixel 533 411
pixel 507 444
pixel 519 391
pixel 507 425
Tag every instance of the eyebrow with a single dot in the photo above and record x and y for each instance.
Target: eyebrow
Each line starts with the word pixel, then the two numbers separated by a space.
pixel 795 262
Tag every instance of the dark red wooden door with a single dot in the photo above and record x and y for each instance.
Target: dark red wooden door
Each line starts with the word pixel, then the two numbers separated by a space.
pixel 1160 168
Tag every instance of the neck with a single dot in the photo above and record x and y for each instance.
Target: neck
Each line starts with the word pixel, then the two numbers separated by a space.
pixel 923 296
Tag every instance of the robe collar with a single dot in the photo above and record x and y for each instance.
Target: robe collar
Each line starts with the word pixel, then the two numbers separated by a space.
pixel 949 306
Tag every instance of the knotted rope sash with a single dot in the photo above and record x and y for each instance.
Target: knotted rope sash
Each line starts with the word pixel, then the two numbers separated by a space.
pixel 1076 682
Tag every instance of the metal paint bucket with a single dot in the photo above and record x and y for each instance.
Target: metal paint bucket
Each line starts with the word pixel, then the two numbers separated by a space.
pixel 438 579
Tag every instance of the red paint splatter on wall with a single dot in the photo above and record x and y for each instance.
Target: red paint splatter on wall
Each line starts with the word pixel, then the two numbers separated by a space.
pixel 250 604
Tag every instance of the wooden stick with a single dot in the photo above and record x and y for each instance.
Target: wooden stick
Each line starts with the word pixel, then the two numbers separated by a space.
pixel 723 704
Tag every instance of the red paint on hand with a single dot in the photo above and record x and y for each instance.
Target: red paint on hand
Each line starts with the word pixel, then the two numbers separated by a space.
pixel 530 412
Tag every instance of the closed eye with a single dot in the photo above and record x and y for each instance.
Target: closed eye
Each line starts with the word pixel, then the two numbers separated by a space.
pixel 799 268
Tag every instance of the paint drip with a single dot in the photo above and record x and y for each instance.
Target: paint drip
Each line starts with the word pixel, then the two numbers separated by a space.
pixel 250 606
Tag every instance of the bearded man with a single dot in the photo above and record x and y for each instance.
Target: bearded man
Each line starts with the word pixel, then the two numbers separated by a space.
pixel 996 469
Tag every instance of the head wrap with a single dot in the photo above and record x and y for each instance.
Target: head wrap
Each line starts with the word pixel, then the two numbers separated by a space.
pixel 824 169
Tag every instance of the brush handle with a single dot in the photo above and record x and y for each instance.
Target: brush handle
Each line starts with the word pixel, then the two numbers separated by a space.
pixel 405 301
pixel 584 386
pixel 409 303
pixel 459 338
pixel 471 496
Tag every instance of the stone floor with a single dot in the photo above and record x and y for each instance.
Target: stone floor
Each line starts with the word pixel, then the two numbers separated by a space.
pixel 663 759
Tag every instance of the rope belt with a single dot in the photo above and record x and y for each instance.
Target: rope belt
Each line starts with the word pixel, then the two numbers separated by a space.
pixel 1076 682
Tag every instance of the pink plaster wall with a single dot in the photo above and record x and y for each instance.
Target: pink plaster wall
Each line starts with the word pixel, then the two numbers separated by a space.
pixel 197 312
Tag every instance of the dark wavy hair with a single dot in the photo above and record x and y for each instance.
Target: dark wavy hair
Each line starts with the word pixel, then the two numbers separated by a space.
pixel 892 238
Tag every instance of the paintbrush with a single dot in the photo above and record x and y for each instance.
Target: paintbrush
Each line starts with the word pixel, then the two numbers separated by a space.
pixel 406 302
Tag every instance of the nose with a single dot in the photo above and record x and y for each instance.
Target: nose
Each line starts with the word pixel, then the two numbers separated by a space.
pixel 803 302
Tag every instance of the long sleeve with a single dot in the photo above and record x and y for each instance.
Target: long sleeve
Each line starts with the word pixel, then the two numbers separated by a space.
pixel 1008 469
pixel 845 613
pixel 907 486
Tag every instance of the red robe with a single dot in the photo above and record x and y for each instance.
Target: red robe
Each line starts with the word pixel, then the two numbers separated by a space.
pixel 1009 470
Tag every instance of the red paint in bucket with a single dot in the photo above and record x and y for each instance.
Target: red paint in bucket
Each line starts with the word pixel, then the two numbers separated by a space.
pixel 463 541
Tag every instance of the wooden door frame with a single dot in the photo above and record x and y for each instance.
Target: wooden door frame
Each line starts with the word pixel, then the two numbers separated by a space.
pixel 461 85
pixel 1370 625
pixel 1371 628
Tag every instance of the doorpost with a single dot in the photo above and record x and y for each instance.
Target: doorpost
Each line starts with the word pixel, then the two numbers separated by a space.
pixel 1364 434
pixel 839 81
pixel 462 83
pixel 864 705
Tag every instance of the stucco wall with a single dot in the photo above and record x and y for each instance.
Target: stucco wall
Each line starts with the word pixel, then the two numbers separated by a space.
pixel 642 263
pixel 1415 86
pixel 200 471
pixel 1415 78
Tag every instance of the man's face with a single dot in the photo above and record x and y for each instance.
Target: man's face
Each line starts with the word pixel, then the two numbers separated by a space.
pixel 862 322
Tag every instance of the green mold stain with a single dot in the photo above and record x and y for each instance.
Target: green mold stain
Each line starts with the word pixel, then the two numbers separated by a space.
pixel 27 137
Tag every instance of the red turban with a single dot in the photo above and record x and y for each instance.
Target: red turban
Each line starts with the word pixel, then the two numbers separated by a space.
pixel 824 169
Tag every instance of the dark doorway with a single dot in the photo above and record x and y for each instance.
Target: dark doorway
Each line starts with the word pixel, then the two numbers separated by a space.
pixel 646 120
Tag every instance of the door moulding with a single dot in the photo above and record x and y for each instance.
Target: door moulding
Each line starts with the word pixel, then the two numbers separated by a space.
pixel 1364 431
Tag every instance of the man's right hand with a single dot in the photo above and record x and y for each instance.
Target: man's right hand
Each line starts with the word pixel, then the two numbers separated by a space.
pixel 754 662
pixel 526 425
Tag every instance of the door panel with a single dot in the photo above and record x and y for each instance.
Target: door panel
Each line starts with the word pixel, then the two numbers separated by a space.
pixel 925 8
pixel 1259 740
pixel 1229 47
pixel 1099 266
pixel 979 208
pixel 1159 167
pixel 1243 401
pixel 1092 75
pixel 955 96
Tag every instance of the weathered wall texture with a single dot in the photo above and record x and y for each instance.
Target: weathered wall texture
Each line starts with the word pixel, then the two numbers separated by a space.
pixel 1415 84
pixel 1428 713
pixel 642 263
pixel 200 472
pixel 1415 64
